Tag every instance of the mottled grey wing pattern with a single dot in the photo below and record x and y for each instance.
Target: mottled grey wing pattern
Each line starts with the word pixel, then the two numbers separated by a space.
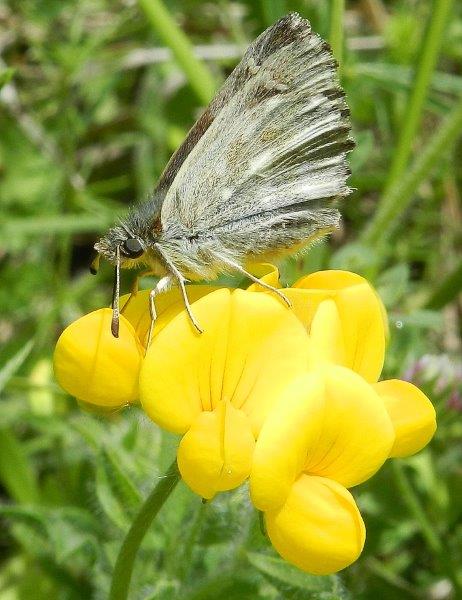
pixel 266 172
pixel 271 40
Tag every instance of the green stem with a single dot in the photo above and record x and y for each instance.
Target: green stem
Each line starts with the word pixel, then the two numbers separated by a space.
pixel 395 202
pixel 165 26
pixel 337 11
pixel 126 558
pixel 428 54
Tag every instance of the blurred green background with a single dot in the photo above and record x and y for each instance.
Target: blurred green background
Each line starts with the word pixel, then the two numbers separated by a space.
pixel 96 96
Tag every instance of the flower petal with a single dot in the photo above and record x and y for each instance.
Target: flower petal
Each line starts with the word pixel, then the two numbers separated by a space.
pixel 265 272
pixel 252 346
pixel 319 529
pixel 329 423
pixel 411 413
pixel 280 452
pixel 94 366
pixel 168 305
pixel 327 344
pixel 361 313
pixel 357 433
pixel 216 453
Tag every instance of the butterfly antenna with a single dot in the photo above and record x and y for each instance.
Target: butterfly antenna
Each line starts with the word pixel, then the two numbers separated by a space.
pixel 115 296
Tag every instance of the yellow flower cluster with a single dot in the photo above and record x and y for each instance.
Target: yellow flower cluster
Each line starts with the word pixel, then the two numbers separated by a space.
pixel 288 398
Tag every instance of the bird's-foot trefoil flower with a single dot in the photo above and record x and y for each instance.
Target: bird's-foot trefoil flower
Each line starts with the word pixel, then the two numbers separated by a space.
pixel 218 387
pixel 94 366
pixel 334 427
pixel 287 396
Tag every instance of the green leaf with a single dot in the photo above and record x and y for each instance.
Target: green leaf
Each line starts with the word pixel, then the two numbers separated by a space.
pixel 67 542
pixel 288 578
pixel 16 472
pixel 32 517
pixel 10 368
pixel 110 505
pixel 123 487
pixel 80 519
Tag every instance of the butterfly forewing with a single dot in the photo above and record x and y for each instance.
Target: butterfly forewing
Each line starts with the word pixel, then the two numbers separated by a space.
pixel 282 33
pixel 267 170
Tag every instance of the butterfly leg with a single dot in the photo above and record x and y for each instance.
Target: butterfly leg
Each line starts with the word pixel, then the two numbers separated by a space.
pixel 181 283
pixel 236 266
pixel 164 284
pixel 181 280
pixel 136 286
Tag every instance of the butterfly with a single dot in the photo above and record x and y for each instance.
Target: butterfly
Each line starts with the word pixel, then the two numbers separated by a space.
pixel 258 175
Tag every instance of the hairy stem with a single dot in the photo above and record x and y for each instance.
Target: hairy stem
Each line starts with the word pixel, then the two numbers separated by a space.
pixel 125 560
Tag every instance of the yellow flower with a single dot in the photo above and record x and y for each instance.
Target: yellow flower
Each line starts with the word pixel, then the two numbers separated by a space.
pixel 411 413
pixel 218 387
pixel 168 305
pixel 359 336
pixel 289 397
pixel 331 430
pixel 94 366
pixel 350 327
pixel 101 370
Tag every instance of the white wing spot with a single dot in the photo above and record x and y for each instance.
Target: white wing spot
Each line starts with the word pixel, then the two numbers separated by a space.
pixel 226 193
pixel 260 161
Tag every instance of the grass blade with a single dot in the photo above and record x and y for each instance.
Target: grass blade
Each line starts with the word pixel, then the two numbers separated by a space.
pixel 397 200
pixel 449 289
pixel 10 368
pixel 164 25
pixel 273 10
pixel 16 472
pixel 337 11
pixel 428 53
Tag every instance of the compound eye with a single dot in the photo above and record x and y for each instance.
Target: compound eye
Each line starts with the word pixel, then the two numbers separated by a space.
pixel 132 248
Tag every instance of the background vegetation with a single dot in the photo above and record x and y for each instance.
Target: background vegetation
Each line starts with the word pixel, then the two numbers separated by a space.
pixel 96 96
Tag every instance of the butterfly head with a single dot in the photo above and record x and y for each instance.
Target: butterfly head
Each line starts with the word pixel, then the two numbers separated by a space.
pixel 133 237
pixel 120 242
pixel 121 247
